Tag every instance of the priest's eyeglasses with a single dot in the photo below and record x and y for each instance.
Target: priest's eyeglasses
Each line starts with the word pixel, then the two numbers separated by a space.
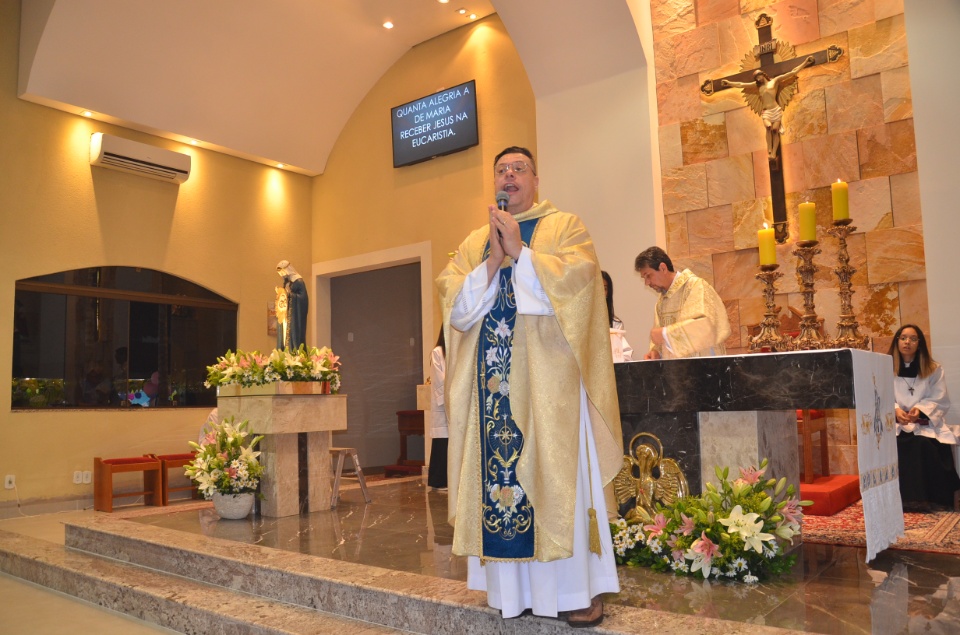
pixel 909 338
pixel 518 167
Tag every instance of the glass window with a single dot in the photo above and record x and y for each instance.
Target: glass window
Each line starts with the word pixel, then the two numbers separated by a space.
pixel 113 337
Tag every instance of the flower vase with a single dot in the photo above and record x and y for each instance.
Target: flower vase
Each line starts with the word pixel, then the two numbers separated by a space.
pixel 233 506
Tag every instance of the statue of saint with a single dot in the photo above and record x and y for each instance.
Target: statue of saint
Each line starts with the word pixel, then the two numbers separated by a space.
pixel 292 305
pixel 768 98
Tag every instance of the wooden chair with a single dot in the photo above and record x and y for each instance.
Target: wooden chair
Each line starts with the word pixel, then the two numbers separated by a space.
pixel 808 422
pixel 104 469
pixel 409 422
pixel 168 461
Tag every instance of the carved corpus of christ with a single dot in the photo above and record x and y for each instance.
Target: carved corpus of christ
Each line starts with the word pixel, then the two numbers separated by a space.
pixel 767 97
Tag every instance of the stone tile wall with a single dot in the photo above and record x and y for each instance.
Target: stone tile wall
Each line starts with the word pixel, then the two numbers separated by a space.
pixel 851 120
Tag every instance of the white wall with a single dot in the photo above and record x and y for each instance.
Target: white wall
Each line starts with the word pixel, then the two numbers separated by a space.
pixel 596 130
pixel 595 162
pixel 932 39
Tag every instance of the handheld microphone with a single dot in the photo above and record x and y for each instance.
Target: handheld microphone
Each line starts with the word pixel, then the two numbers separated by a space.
pixel 502 200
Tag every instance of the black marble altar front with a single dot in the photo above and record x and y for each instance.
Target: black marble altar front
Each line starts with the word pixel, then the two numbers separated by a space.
pixel 663 397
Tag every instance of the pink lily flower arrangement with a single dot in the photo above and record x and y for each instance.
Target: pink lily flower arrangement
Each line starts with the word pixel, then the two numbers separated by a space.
pixel 737 529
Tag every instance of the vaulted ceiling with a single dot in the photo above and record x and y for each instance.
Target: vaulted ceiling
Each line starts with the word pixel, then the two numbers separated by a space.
pixel 276 81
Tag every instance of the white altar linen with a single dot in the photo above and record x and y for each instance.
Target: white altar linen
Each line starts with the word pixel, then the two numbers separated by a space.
pixel 877 450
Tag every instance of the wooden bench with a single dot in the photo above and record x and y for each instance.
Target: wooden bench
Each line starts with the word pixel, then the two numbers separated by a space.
pixel 104 469
pixel 168 462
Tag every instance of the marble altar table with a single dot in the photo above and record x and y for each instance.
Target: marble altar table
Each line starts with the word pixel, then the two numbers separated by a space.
pixel 735 410
pixel 296 421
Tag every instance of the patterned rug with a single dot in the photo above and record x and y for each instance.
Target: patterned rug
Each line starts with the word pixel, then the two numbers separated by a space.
pixel 936 531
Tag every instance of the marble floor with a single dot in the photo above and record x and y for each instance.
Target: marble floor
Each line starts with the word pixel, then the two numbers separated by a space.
pixel 830 590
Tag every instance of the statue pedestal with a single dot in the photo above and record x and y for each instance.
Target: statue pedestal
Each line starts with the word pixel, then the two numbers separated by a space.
pixel 296 419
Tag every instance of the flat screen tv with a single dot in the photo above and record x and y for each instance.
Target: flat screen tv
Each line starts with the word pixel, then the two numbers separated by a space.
pixel 438 124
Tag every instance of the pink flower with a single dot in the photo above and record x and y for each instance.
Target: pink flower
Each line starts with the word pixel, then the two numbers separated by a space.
pixel 751 474
pixel 701 553
pixel 659 523
pixel 232 471
pixel 676 552
pixel 243 362
pixel 687 527
pixel 791 511
pixel 210 438
pixel 706 547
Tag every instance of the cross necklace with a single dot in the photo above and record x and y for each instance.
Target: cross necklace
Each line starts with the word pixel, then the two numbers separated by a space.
pixel 909 385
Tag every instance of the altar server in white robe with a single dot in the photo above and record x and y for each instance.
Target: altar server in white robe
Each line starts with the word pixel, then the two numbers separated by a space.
pixel 924 440
pixel 531 406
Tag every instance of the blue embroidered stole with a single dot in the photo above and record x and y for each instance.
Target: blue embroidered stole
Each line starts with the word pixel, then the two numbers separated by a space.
pixel 506 514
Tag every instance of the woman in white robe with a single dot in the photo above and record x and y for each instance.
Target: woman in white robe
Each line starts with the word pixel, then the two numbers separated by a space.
pixel 924 440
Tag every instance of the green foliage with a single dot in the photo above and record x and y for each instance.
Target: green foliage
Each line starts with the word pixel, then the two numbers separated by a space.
pixel 736 529
pixel 254 369
pixel 226 462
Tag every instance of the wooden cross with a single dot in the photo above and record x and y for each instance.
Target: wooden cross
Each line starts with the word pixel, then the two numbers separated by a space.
pixel 765 53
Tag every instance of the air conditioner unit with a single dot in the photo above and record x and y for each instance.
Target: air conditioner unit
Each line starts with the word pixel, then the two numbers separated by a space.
pixel 125 155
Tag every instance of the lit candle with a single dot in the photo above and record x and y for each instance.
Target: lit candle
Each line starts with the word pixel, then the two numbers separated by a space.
pixel 808 221
pixel 841 205
pixel 767 245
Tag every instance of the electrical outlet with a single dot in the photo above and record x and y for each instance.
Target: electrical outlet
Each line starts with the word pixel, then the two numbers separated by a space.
pixel 9 481
pixel 77 477
pixel 87 477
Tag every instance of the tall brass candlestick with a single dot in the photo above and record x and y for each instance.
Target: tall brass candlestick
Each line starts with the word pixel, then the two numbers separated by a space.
pixel 809 337
pixel 769 336
pixel 848 329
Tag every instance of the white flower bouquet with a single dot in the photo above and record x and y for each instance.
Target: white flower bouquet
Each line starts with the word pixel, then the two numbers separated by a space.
pixel 733 531
pixel 254 369
pixel 226 462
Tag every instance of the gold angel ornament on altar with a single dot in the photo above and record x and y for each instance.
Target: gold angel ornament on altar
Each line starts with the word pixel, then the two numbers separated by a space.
pixel 648 478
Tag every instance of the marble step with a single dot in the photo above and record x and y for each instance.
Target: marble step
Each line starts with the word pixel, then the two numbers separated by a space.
pixel 376 596
pixel 180 604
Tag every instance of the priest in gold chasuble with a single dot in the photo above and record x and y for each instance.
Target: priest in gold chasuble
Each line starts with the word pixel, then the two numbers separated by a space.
pixel 691 320
pixel 531 405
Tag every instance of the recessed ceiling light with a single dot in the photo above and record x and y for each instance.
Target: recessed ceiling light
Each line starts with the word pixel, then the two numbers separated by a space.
pixel 473 16
pixel 280 165
pixel 388 25
pixel 194 142
pixel 461 11
pixel 87 113
pixel 443 1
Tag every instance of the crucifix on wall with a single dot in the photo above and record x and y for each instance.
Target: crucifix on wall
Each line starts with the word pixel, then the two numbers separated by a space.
pixel 769 82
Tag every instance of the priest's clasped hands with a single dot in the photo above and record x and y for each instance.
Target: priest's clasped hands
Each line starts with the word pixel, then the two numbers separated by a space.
pixel 504 235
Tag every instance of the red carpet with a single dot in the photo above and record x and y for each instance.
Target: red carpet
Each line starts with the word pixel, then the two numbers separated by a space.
pixel 830 494
pixel 937 531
